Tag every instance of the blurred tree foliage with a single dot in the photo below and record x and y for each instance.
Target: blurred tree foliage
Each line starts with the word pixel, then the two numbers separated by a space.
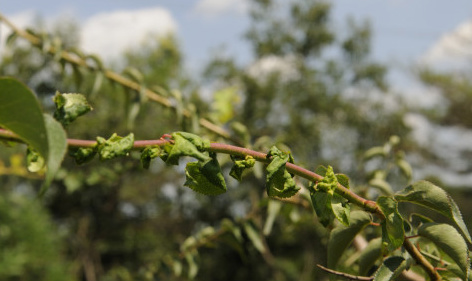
pixel 124 223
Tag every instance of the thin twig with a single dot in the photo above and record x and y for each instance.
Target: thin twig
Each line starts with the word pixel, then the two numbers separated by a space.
pixel 346 275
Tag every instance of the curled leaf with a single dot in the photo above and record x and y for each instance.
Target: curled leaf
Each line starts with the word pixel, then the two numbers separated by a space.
pixel 185 144
pixel 148 154
pixel 279 181
pixel 241 164
pixel 115 146
pixel 34 161
pixel 69 107
pixel 83 155
pixel 205 176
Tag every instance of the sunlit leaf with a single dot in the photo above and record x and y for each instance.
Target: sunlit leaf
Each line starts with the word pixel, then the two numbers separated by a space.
pixel 447 238
pixel 115 146
pixel 433 197
pixel 240 165
pixel 391 268
pixel 69 107
pixel 205 177
pixel 185 144
pixel 279 182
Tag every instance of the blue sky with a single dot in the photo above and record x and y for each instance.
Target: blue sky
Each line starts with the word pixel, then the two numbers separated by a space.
pixel 404 31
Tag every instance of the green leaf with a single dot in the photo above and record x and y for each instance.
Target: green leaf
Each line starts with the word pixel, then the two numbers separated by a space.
pixel 254 236
pixel 393 232
pixel 273 209
pixel 205 177
pixel 342 236
pixel 69 107
pixel 370 255
pixel 223 104
pixel 192 265
pixel 391 268
pixel 343 180
pixel 115 146
pixel 447 238
pixel 241 164
pixel 21 114
pixel 341 209
pixel 321 202
pixel 279 181
pixel 148 154
pixel 83 155
pixel 185 144
pixel 433 197
pixel 374 152
pixel 57 140
pixel 321 170
pixel 329 182
pixel 34 161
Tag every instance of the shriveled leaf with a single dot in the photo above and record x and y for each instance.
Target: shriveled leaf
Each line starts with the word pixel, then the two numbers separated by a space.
pixel 391 268
pixel 69 107
pixel 205 177
pixel 21 114
pixel 57 140
pixel 342 236
pixel 393 232
pixel 241 164
pixel 435 198
pixel 447 238
pixel 329 182
pixel 83 155
pixel 148 154
pixel 279 182
pixel 254 236
pixel 273 209
pixel 370 255
pixel 185 144
pixel 115 146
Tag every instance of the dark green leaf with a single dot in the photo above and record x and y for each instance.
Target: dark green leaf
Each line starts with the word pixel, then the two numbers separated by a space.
pixel 393 232
pixel 148 154
pixel 69 107
pixel 391 268
pixel 20 113
pixel 83 155
pixel 241 164
pixel 450 241
pixel 279 181
pixel 185 144
pixel 115 146
pixel 342 236
pixel 205 177
pixel 254 236
pixel 57 140
pixel 433 197
pixel 370 255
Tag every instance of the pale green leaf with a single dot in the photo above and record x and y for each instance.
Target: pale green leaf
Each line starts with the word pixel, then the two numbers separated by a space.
pixel 342 236
pixel 115 146
pixel 393 232
pixel 69 107
pixel 391 268
pixel 57 140
pixel 21 114
pixel 433 197
pixel 223 104
pixel 205 177
pixel 273 209
pixel 34 161
pixel 192 265
pixel 374 152
pixel 447 238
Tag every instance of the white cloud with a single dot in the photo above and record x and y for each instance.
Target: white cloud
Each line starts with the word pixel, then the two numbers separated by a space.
pixel 109 34
pixel 285 66
pixel 213 8
pixel 453 49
